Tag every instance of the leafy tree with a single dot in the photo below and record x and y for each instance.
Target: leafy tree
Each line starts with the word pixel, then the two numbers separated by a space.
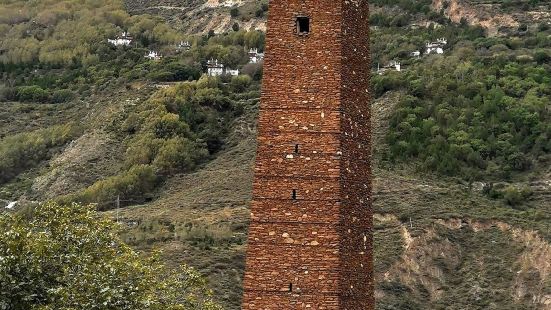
pixel 240 83
pixel 70 258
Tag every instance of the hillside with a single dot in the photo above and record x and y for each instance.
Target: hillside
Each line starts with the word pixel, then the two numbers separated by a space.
pixel 461 139
pixel 202 16
pixel 498 17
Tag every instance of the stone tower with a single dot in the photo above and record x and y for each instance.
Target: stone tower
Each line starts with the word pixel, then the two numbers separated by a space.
pixel 310 238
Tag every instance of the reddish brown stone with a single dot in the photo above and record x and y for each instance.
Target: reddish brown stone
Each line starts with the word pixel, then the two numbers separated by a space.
pixel 310 239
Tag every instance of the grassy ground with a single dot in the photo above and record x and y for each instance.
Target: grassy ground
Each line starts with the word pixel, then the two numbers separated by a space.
pixel 422 261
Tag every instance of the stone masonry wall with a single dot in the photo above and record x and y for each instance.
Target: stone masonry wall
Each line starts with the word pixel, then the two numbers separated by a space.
pixel 310 244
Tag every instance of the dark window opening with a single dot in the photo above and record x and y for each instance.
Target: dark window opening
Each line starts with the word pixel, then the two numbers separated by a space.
pixel 303 25
pixel 290 287
pixel 296 148
pixel 294 195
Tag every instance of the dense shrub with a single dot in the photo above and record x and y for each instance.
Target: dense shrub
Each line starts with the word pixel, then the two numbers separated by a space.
pixel 174 131
pixel 32 94
pixel 62 95
pixel 240 83
pixel 132 185
pixel 26 150
pixel 516 196
pixel 71 258
pixel 466 114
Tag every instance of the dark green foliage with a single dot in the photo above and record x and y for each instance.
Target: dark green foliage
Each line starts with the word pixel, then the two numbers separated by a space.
pixel 174 131
pixel 475 112
pixel 62 95
pixel 32 94
pixel 27 150
pixel 516 196
pixel 132 185
pixel 70 257
pixel 171 70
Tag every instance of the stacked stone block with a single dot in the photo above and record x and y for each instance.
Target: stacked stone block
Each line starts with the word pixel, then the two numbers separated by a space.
pixel 310 238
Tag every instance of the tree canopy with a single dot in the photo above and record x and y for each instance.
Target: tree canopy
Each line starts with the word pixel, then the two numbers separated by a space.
pixel 70 257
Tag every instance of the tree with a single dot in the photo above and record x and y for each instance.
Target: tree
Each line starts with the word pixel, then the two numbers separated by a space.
pixel 70 257
pixel 542 57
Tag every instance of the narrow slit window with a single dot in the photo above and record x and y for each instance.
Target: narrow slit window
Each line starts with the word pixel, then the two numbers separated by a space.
pixel 303 25
pixel 294 194
pixel 290 287
pixel 296 148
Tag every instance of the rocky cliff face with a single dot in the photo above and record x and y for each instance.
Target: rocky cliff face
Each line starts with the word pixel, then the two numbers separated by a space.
pixel 201 16
pixel 492 16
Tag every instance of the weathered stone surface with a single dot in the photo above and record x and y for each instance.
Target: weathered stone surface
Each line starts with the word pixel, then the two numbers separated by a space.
pixel 310 239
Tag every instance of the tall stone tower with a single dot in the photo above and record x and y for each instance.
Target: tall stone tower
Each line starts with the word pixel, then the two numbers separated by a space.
pixel 310 238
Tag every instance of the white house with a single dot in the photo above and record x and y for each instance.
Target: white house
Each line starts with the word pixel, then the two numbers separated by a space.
pixel 232 72
pixel 184 45
pixel 415 54
pixel 436 47
pixel 393 65
pixel 254 56
pixel 123 40
pixel 153 55
pixel 214 68
pixel 397 66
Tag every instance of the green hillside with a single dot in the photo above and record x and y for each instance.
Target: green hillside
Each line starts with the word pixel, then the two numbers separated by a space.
pixel 462 142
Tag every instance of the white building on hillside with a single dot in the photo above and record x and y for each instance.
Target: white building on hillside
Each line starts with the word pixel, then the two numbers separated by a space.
pixel 123 40
pixel 436 47
pixel 254 56
pixel 184 46
pixel 214 68
pixel 153 55
pixel 393 65
pixel 232 72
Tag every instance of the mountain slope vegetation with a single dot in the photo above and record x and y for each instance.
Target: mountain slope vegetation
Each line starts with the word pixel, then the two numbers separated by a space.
pixel 461 139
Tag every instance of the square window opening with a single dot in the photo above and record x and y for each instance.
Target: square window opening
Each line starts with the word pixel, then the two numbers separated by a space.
pixel 303 25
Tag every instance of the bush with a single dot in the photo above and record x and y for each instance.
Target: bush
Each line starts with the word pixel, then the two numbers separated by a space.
pixel 178 154
pixel 174 71
pixel 132 186
pixel 542 57
pixel 514 196
pixel 62 95
pixel 175 130
pixel 253 70
pixel 26 150
pixel 8 93
pixel 32 94
pixel 72 258
pixel 240 83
